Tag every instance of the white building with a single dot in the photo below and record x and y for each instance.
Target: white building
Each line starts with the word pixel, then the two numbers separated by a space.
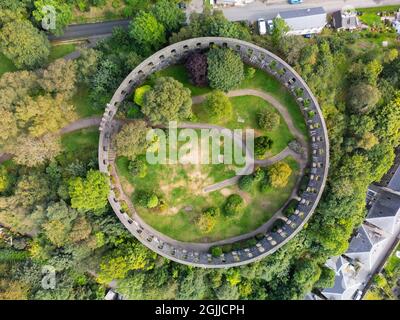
pixel 304 21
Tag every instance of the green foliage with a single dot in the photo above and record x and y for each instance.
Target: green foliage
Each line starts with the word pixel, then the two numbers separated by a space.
pixel 233 206
pixel 261 145
pixel 146 199
pixel 139 94
pixel 246 183
pixel 216 251
pixel 4 179
pixel 167 101
pixel 362 97
pixel 131 140
pixel 207 219
pixel 169 15
pixel 279 174
pixel 225 69
pixel 218 106
pixel 138 167
pixel 89 194
pixel 326 279
pixel 279 31
pixel 147 31
pixel 22 43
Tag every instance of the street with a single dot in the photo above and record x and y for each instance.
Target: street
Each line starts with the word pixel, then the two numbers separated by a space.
pixel 270 8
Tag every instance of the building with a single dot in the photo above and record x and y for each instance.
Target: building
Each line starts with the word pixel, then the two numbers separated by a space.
pixel 345 20
pixel 230 2
pixel 304 21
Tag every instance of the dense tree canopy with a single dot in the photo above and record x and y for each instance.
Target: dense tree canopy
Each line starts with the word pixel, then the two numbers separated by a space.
pixel 131 140
pixel 218 106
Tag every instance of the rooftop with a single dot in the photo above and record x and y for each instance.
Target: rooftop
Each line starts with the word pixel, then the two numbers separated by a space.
pixel 302 13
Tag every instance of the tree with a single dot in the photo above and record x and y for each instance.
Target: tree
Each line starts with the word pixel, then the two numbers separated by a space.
pixel 139 94
pixel 261 145
pixel 368 141
pixel 90 193
pixel 225 69
pixel 4 179
pixel 279 174
pixel 268 120
pixel 131 140
pixel 246 183
pixel 59 78
pixel 87 64
pixel 63 13
pixel 234 205
pixel 196 67
pixel 30 151
pixel 147 31
pixel 8 126
pixel 169 100
pixel 208 219
pixel 218 106
pixel 279 31
pixel 326 279
pixel 362 97
pixel 138 168
pixel 169 15
pixel 147 199
pixel 22 43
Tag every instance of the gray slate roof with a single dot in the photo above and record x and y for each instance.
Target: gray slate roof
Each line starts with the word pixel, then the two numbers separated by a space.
pixel 364 240
pixel 394 183
pixel 386 205
pixel 304 18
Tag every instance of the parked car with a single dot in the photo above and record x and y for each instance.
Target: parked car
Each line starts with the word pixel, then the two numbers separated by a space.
pixel 295 1
pixel 270 25
pixel 262 27
pixel 358 295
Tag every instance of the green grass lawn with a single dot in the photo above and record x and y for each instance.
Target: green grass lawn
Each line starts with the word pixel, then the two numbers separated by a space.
pixel 6 65
pixel 181 187
pixel 82 144
pixel 82 103
pixel 59 51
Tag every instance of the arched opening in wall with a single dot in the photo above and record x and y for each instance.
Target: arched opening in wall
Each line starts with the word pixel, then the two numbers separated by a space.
pixel 186 47
pixel 198 44
pixel 162 57
pixel 237 48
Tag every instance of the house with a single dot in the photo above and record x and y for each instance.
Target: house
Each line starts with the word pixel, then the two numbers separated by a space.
pixel 345 20
pixel 231 2
pixel 396 25
pixel 304 21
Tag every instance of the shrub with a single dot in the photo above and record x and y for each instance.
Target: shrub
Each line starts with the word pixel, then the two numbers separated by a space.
pixel 218 106
pixel 250 72
pixel 279 174
pixel 138 168
pixel 196 67
pixel 147 200
pixel 225 69
pixel 234 205
pixel 262 145
pixel 268 120
pixel 259 174
pixel 246 182
pixel 216 251
pixel 140 93
pixel 208 219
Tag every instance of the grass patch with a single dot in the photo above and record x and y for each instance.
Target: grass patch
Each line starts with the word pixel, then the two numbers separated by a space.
pixel 6 65
pixel 83 104
pixel 82 145
pixel 59 51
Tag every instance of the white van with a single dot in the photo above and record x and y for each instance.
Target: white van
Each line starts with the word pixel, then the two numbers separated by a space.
pixel 262 26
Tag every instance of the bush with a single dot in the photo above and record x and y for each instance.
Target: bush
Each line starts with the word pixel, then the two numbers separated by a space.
pixel 290 208
pixel 250 72
pixel 147 200
pixel 140 93
pixel 279 174
pixel 259 174
pixel 138 168
pixel 234 205
pixel 218 106
pixel 246 183
pixel 262 145
pixel 216 251
pixel 208 219
pixel 225 69
pixel 196 67
pixel 268 120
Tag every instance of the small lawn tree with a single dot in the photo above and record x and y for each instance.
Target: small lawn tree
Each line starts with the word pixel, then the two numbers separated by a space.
pixel 225 69
pixel 234 206
pixel 262 145
pixel 246 183
pixel 196 67
pixel 218 106
pixel 279 174
pixel 268 120
pixel 207 220
pixel 169 100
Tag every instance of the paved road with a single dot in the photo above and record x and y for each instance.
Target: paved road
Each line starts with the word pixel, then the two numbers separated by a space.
pixel 83 31
pixel 270 8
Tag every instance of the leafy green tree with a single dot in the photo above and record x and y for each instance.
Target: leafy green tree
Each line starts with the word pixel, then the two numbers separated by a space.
pixel 139 94
pixel 368 141
pixel 268 120
pixel 63 13
pixel 90 193
pixel 225 69
pixel 208 219
pixel 87 64
pixel 279 174
pixel 131 140
pixel 279 31
pixel 169 100
pixel 362 98
pixel 261 145
pixel 147 199
pixel 218 106
pixel 169 15
pixel 138 168
pixel 234 205
pixel 326 279
pixel 147 31
pixel 246 183
pixel 22 43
